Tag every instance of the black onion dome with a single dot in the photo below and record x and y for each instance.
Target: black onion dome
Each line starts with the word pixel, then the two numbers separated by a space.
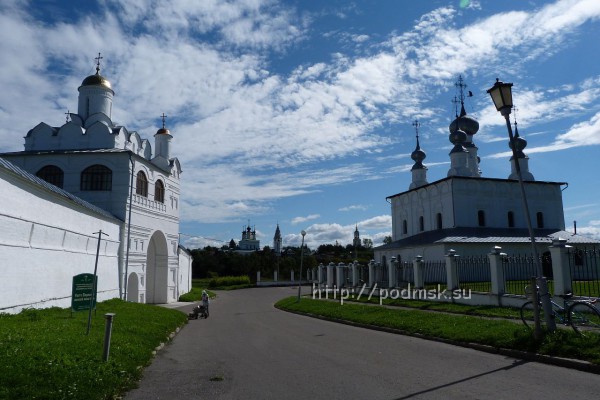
pixel 465 123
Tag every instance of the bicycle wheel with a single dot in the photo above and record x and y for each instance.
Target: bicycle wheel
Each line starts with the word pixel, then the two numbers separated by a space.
pixel 584 318
pixel 527 315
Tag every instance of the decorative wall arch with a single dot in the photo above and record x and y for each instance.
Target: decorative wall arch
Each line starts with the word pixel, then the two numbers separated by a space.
pixel 133 288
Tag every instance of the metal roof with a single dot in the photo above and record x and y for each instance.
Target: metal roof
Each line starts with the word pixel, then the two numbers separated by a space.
pixel 487 235
pixel 55 189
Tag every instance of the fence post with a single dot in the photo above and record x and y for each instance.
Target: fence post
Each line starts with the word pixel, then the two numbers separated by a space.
pixel 392 281
pixel 354 274
pixel 275 276
pixel 371 273
pixel 560 267
pixel 330 268
pixel 292 275
pixel 340 275
pixel 451 270
pixel 257 276
pixel 496 271
pixel 418 272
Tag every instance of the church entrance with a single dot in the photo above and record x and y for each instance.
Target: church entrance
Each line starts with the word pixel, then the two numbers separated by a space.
pixel 157 269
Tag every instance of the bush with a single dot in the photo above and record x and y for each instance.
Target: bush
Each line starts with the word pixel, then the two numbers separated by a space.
pixel 225 281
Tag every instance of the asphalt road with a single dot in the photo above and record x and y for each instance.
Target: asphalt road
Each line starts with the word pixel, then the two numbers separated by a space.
pixel 247 349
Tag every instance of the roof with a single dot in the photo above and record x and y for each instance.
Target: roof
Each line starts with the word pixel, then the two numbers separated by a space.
pixel 479 179
pixel 4 164
pixel 487 235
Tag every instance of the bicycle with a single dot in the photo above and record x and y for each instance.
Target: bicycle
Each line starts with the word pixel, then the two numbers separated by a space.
pixel 581 315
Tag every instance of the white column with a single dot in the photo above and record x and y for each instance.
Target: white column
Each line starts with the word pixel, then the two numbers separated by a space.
pixel 418 272
pixel 392 273
pixel 330 268
pixel 371 273
pixel 560 267
pixel 451 270
pixel 275 276
pixel 340 275
pixel 257 276
pixel 496 271
pixel 355 274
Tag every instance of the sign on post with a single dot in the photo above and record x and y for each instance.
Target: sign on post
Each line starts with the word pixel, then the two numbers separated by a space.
pixel 83 292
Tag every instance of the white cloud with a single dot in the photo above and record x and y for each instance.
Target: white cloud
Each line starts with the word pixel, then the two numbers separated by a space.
pixel 299 220
pixel 353 208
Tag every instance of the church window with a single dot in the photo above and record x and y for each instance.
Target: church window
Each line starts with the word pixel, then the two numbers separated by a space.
pixel 404 227
pixel 540 220
pixel 96 178
pixel 141 184
pixel 159 191
pixel 481 218
pixel 421 224
pixel 511 219
pixel 52 174
pixel 439 220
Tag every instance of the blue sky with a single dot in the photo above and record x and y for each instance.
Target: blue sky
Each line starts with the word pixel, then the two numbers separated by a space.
pixel 300 112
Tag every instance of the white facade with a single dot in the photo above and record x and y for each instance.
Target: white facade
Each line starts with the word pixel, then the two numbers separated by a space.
pixel 116 170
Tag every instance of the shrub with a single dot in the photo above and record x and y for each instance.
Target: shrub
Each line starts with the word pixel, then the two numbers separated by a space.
pixel 224 281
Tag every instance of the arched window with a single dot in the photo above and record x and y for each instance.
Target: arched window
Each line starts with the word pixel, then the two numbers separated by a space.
pixel 404 227
pixel 438 218
pixel 159 191
pixel 421 224
pixel 511 219
pixel 481 218
pixel 141 184
pixel 52 174
pixel 540 219
pixel 96 178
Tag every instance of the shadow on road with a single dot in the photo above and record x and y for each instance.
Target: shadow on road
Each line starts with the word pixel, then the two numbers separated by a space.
pixel 516 363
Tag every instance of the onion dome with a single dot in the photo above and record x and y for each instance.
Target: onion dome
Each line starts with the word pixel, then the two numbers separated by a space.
pixel 418 156
pixel 465 123
pixel 519 142
pixel 96 80
pixel 163 131
pixel 458 139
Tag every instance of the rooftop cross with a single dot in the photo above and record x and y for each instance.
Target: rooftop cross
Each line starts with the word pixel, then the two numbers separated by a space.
pixel 163 116
pixel 98 63
pixel 416 124
pixel 67 114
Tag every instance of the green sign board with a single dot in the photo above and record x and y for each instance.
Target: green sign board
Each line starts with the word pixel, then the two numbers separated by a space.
pixel 83 292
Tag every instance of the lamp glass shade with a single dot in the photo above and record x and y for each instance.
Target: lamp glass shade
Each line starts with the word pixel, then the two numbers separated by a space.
pixel 501 94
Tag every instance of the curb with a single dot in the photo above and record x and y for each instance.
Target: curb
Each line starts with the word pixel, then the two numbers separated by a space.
pixel 579 365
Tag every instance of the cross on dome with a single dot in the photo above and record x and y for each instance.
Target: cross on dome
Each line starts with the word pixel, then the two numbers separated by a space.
pixel 98 63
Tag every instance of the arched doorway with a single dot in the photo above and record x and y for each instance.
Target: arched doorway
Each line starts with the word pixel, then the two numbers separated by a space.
pixel 157 269
pixel 133 288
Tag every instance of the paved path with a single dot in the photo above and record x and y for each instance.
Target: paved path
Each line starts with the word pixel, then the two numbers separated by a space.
pixel 247 349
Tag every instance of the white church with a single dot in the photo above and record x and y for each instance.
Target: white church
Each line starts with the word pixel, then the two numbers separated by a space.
pixel 469 213
pixel 71 182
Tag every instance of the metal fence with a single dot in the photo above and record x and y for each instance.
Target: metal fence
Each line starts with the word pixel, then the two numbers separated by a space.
pixel 404 274
pixel 474 273
pixel 434 273
pixel 518 271
pixel 584 265
pixel 381 275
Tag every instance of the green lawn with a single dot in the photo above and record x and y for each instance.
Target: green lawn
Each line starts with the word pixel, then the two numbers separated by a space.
pixel 46 354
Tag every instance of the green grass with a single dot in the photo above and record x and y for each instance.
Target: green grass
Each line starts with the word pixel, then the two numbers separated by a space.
pixel 219 283
pixel 46 354
pixel 497 333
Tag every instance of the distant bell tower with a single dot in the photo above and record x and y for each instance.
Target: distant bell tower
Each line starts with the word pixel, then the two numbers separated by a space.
pixel 356 241
pixel 277 241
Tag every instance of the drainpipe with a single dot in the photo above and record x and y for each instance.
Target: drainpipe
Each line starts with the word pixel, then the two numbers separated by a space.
pixel 129 225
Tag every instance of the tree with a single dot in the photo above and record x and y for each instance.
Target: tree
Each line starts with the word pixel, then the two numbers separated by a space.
pixel 367 243
pixel 387 240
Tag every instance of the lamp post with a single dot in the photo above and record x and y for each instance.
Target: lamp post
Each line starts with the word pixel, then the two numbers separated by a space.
pixel 301 259
pixel 501 94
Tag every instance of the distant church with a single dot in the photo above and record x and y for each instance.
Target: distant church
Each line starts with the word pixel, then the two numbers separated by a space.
pixel 87 175
pixel 470 213
pixel 249 243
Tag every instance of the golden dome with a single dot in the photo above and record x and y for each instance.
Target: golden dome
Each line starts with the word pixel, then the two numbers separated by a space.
pixel 96 79
pixel 163 131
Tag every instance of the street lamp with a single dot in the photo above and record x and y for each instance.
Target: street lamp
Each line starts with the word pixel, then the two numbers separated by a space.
pixel 501 94
pixel 301 259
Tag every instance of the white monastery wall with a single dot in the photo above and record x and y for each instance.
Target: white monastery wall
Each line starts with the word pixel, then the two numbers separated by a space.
pixel 39 255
